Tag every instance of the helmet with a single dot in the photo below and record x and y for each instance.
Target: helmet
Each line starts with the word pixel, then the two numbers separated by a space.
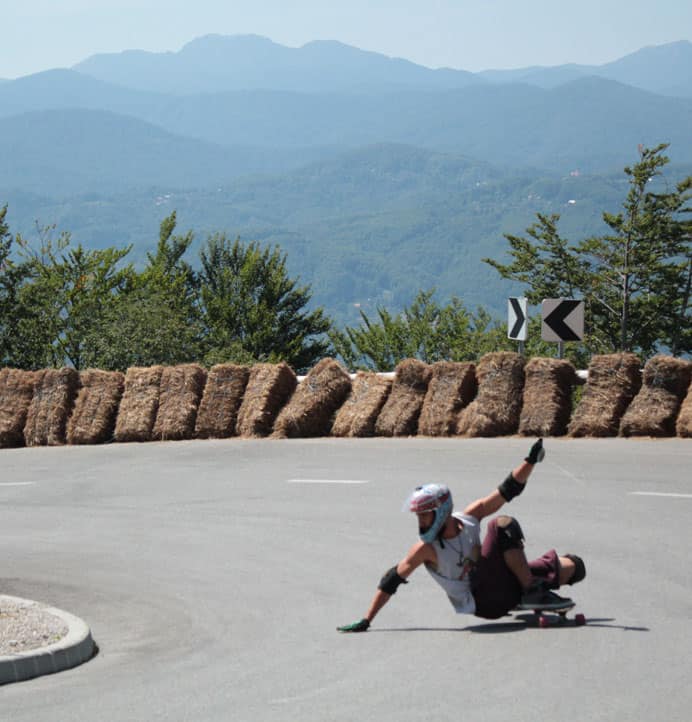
pixel 431 497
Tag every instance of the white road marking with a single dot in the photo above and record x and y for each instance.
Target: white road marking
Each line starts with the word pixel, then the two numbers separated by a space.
pixel 565 471
pixel 17 483
pixel 660 493
pixel 327 481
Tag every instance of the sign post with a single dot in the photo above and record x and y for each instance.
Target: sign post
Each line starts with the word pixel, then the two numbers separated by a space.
pixel 517 321
pixel 563 320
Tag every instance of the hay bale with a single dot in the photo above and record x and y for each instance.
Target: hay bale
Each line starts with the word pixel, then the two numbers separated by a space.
pixel 401 411
pixel 614 380
pixel 496 409
pixel 180 392
pixel 655 408
pixel 311 409
pixel 223 394
pixel 96 407
pixel 268 389
pixel 683 426
pixel 358 414
pixel 547 401
pixel 16 392
pixel 453 386
pixel 50 408
pixel 139 404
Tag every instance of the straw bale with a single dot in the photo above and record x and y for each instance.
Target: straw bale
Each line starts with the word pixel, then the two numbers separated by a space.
pixel 223 394
pixel 139 404
pixel 547 397
pixel 268 389
pixel 50 408
pixel 655 408
pixel 401 411
pixel 614 380
pixel 497 407
pixel 96 407
pixel 683 426
pixel 16 392
pixel 180 392
pixel 311 409
pixel 453 386
pixel 358 414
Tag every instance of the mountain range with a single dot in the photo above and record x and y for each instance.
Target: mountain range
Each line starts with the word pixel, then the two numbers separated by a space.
pixel 376 175
pixel 217 63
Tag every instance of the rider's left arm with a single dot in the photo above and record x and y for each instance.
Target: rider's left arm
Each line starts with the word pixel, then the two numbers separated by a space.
pixel 488 505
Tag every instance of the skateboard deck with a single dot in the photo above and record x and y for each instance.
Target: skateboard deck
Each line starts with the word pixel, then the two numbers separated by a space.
pixel 549 615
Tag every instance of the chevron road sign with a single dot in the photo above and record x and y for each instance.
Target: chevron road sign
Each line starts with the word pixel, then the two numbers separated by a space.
pixel 563 319
pixel 517 319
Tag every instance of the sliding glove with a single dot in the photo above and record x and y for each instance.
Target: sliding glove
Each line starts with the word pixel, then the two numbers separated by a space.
pixel 537 453
pixel 361 626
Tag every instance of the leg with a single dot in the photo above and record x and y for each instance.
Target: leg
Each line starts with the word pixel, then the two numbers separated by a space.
pixel 496 587
pixel 556 571
pixel 573 569
pixel 511 542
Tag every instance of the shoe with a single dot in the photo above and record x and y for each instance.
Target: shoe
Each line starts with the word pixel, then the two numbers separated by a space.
pixel 537 596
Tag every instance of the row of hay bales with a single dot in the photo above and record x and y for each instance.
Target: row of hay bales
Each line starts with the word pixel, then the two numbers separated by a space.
pixel 501 395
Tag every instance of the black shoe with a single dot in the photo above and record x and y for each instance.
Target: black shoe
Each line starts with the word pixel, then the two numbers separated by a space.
pixel 537 596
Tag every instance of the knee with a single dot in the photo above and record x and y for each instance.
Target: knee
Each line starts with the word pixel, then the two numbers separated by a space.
pixel 509 533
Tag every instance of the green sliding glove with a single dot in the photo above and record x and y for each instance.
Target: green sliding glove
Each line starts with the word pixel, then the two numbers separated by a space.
pixel 537 453
pixel 361 626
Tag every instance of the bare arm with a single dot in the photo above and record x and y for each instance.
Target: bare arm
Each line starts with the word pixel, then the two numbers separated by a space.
pixel 488 505
pixel 419 553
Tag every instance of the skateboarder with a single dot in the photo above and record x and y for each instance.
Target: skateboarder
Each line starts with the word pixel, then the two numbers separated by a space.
pixel 487 579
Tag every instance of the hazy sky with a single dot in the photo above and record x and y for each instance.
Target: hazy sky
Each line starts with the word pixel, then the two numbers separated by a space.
pixel 471 35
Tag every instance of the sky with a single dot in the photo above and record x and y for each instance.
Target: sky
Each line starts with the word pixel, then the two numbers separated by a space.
pixel 469 35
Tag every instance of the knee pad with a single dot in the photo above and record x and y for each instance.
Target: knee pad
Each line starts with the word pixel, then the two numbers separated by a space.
pixel 579 568
pixel 509 533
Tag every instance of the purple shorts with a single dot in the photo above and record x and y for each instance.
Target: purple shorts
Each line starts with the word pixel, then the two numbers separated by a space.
pixel 495 588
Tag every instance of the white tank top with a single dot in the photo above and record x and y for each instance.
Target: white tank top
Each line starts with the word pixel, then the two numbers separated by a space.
pixel 455 562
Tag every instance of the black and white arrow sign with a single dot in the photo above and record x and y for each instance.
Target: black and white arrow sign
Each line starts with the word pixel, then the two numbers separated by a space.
pixel 517 319
pixel 563 319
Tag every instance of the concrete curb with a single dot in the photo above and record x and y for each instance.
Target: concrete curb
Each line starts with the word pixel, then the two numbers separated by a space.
pixel 75 648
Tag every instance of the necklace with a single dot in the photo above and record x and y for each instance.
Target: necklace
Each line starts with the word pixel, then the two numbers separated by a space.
pixel 459 551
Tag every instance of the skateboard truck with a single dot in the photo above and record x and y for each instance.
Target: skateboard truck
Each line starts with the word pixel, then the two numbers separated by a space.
pixel 548 615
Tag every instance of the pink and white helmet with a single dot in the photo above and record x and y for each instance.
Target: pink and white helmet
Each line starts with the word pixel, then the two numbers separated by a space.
pixel 431 497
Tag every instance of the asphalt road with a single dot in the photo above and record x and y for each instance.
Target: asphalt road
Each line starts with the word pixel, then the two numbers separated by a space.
pixel 213 575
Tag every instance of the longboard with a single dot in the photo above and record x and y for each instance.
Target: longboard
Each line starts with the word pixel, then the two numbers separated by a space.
pixel 552 615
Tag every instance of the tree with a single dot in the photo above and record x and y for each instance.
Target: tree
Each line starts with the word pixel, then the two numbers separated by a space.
pixel 639 274
pixel 252 311
pixel 11 275
pixel 424 330
pixel 62 301
pixel 155 319
pixel 635 280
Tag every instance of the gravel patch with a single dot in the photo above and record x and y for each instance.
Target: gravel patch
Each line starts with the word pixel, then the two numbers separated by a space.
pixel 26 625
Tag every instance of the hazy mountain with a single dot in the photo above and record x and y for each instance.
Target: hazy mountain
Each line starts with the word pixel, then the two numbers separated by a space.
pixel 372 194
pixel 60 88
pixel 664 69
pixel 371 226
pixel 591 124
pixel 217 63
pixel 63 152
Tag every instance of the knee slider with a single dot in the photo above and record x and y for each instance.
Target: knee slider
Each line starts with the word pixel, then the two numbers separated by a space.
pixel 509 533
pixel 390 581
pixel 579 568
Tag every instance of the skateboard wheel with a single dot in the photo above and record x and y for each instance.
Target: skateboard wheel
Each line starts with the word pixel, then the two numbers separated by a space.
pixel 543 622
pixel 580 620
